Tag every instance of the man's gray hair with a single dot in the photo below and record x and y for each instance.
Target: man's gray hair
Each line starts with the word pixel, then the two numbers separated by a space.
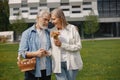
pixel 43 12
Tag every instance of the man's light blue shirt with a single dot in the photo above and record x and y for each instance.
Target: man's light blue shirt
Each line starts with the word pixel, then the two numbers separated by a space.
pixel 30 42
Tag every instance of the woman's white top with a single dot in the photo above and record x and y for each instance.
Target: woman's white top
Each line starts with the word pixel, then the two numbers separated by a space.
pixel 63 39
pixel 69 50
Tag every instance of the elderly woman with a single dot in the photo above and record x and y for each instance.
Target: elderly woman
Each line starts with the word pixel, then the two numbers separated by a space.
pixel 66 49
pixel 35 42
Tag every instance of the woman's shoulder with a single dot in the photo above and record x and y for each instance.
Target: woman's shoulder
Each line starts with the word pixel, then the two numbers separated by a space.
pixel 71 26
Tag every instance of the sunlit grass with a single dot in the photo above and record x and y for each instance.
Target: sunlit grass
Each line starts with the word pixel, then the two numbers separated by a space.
pixel 101 60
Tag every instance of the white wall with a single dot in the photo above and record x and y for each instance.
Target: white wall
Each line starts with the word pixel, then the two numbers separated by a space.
pixel 8 34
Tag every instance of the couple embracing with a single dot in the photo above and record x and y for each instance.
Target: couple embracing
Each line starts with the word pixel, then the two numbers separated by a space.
pixel 56 50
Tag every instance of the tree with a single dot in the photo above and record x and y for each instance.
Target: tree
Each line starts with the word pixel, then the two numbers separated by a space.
pixel 19 26
pixel 91 24
pixel 1 16
pixel 4 15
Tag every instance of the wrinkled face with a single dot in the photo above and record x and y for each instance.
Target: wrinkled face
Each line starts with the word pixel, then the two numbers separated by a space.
pixel 44 20
pixel 56 21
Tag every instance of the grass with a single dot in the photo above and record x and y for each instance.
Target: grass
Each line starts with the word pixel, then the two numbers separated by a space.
pixel 101 61
pixel 8 66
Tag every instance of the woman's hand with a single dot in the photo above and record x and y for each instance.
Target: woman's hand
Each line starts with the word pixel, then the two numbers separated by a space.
pixel 57 42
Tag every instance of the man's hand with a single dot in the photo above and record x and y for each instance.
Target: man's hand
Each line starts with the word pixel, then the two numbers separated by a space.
pixel 41 53
pixel 44 53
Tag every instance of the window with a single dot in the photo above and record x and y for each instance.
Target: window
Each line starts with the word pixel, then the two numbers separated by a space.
pixel 113 5
pixel 15 14
pixel 24 11
pixel 118 5
pixel 24 1
pixel 86 3
pixel 106 0
pixel 106 13
pixel 33 8
pixel 106 5
pixel 24 5
pixel 113 9
pixel 112 13
pixel 15 8
pixel 118 13
pixel 65 9
pixel 33 13
pixel 108 8
pixel 75 6
pixel 100 5
pixel 76 11
pixel 87 8
pixel 100 13
pixel 100 0
pixel 118 8
pixel 118 0
pixel 43 4
pixel 64 4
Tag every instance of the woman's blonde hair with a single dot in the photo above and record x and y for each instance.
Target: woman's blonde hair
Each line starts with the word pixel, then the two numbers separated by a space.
pixel 59 14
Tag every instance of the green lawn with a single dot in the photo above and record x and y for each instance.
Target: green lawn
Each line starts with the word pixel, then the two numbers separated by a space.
pixel 101 61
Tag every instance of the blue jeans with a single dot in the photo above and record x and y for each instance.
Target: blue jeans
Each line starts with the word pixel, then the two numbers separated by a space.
pixel 66 74
pixel 30 76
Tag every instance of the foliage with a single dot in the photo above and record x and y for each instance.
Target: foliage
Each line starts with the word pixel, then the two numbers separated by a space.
pixel 6 8
pixel 4 15
pixel 19 26
pixel 91 25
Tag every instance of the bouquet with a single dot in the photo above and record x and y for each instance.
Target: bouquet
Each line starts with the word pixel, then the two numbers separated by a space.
pixel 55 34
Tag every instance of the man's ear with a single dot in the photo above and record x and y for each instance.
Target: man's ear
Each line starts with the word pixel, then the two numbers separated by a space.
pixel 37 18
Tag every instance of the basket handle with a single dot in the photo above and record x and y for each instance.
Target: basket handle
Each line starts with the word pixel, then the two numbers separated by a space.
pixel 19 57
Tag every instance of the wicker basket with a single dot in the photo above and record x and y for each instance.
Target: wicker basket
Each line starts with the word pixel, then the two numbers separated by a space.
pixel 26 64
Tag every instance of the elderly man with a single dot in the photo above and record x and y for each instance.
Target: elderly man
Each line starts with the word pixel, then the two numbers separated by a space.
pixel 35 42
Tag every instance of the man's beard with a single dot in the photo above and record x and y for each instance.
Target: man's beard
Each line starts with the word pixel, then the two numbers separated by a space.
pixel 43 27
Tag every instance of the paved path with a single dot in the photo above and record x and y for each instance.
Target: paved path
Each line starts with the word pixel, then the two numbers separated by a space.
pixel 102 38
pixel 82 39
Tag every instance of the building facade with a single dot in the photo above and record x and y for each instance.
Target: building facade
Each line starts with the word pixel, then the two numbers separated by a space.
pixel 109 15
pixel 74 10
